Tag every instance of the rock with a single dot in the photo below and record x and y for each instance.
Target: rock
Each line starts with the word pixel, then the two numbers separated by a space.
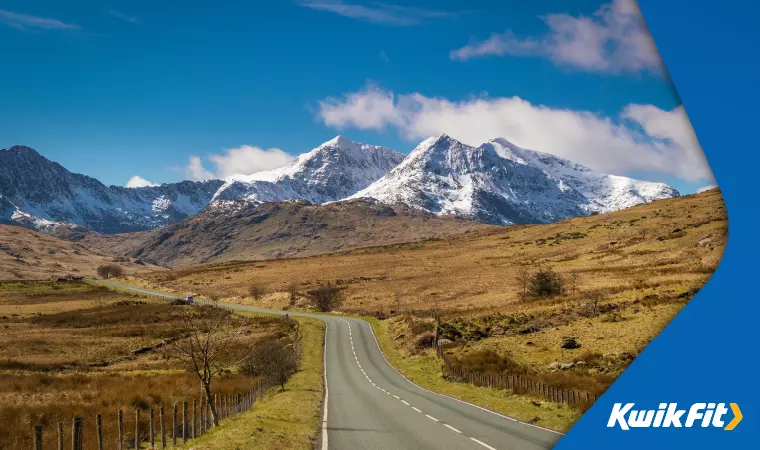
pixel 442 342
pixel 570 343
pixel 705 242
pixel 580 363
pixel 399 337
pixel 560 366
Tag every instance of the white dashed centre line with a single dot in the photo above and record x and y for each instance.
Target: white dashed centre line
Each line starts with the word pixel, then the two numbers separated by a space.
pixel 356 357
pixel 482 443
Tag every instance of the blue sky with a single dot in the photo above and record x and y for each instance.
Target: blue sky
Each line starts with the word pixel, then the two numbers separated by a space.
pixel 115 89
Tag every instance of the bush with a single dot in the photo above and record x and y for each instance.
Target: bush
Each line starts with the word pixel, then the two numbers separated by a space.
pixel 271 359
pixel 257 291
pixel 326 297
pixel 545 283
pixel 110 270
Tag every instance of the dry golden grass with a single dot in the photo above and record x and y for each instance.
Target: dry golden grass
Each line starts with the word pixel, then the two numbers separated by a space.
pixel 671 245
pixel 29 255
pixel 87 351
pixel 650 259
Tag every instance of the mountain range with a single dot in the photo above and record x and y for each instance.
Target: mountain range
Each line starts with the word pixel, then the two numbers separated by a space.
pixel 496 183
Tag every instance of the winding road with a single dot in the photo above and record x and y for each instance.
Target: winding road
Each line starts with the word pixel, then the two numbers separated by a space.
pixel 370 405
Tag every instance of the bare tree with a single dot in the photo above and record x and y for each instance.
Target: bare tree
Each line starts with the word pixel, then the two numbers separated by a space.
pixel 595 297
pixel 293 292
pixel 573 281
pixel 110 270
pixel 257 291
pixel 326 297
pixel 523 279
pixel 208 334
pixel 272 359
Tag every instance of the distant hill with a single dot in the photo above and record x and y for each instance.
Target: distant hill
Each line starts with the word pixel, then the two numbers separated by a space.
pixel 29 255
pixel 240 230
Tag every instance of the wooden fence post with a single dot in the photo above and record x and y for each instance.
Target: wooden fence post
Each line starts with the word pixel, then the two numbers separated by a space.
pixel 137 428
pixel 76 433
pixel 163 427
pixel 38 437
pixel 120 445
pixel 99 425
pixel 193 434
pixel 174 426
pixel 239 402
pixel 152 428
pixel 184 422
pixel 60 436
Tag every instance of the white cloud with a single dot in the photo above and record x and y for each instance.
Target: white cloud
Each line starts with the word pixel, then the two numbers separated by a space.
pixel 138 181
pixel 242 160
pixel 24 21
pixel 121 16
pixel 642 138
pixel 706 188
pixel 613 40
pixel 379 13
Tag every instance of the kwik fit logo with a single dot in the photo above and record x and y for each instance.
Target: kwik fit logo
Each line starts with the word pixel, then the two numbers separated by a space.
pixel 668 415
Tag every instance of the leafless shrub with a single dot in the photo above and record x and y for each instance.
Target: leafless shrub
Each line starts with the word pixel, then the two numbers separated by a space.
pixel 110 270
pixel 271 359
pixel 257 291
pixel 326 297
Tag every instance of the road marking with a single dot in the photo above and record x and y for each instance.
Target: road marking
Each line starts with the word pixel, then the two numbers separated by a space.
pixel 416 409
pixel 482 443
pixel 431 418
pixel 452 428
pixel 324 418
pixel 405 402
pixel 397 397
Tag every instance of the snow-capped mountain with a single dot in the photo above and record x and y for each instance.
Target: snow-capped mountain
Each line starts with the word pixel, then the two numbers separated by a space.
pixel 503 184
pixel 496 182
pixel 606 193
pixel 333 171
pixel 39 193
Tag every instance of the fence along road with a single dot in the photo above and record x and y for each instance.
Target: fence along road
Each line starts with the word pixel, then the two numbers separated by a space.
pixel 370 405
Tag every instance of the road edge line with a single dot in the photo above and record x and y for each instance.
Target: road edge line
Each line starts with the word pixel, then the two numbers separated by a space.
pixel 324 416
pixel 448 396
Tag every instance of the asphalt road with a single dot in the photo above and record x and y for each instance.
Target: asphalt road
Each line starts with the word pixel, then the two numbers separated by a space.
pixel 369 405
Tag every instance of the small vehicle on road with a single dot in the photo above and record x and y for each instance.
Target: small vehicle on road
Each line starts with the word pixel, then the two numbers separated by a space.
pixel 189 299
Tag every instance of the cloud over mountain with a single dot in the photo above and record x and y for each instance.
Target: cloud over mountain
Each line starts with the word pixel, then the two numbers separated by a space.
pixel 643 138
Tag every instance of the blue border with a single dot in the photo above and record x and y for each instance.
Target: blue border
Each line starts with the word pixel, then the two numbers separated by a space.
pixel 711 350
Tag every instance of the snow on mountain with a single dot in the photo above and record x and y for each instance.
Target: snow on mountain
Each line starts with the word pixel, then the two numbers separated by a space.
pixel 604 192
pixel 496 182
pixel 335 170
pixel 39 193
pixel 503 184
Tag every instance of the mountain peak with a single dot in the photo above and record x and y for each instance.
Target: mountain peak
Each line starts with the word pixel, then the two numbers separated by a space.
pixel 21 149
pixel 339 141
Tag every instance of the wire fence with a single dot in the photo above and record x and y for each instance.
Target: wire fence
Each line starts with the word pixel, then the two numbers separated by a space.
pixel 518 383
pixel 158 427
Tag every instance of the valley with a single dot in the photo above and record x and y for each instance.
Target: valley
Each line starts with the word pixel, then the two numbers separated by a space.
pixel 625 276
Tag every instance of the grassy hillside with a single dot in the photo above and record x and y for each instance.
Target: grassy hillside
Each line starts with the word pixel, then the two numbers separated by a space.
pixel 75 350
pixel 648 262
pixel 245 231
pixel 29 255
pixel 664 248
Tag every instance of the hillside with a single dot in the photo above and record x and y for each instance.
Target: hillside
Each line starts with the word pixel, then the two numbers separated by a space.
pixel 241 230
pixel 670 245
pixel 29 255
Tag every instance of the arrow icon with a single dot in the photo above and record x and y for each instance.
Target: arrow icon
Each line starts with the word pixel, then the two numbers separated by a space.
pixel 737 417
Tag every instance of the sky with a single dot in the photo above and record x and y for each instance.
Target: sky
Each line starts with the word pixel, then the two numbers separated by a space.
pixel 137 92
